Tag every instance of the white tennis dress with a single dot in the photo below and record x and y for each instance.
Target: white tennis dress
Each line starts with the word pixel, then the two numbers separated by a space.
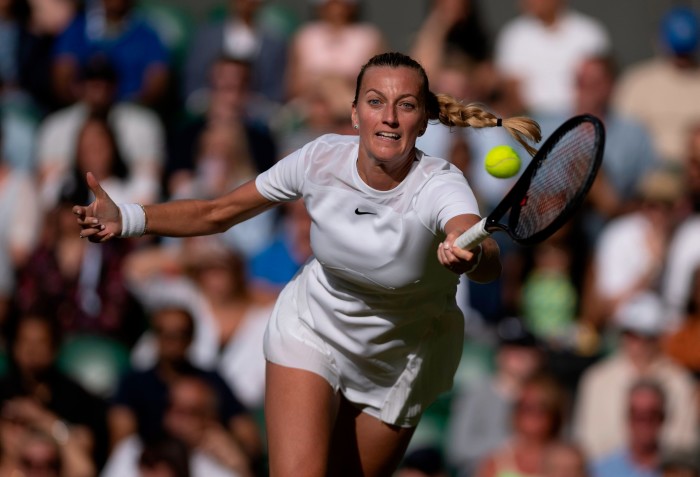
pixel 374 312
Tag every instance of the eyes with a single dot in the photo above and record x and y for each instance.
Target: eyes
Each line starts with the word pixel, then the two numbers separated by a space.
pixel 404 104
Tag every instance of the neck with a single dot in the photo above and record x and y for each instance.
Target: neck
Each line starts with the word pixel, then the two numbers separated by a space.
pixel 645 455
pixel 384 176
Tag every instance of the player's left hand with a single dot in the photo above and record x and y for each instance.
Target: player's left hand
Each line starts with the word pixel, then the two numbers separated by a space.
pixel 456 259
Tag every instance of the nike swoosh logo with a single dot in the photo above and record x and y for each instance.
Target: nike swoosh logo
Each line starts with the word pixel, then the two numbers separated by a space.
pixel 358 212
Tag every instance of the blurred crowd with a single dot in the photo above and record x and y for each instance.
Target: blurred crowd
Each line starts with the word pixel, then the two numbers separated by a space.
pixel 143 357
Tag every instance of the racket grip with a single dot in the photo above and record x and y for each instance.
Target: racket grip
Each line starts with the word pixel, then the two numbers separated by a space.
pixel 476 234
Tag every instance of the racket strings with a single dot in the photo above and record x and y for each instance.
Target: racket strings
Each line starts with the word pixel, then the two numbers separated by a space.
pixel 559 181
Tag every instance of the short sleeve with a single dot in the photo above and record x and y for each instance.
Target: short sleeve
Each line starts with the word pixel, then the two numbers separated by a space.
pixel 445 196
pixel 284 181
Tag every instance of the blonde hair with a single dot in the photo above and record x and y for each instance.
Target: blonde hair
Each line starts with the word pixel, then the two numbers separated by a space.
pixel 451 112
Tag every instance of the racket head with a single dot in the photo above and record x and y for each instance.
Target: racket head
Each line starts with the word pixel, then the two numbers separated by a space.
pixel 554 184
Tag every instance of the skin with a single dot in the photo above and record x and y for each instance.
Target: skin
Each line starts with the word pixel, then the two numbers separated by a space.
pixel 390 114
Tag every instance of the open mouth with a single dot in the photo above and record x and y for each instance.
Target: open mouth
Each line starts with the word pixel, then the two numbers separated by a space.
pixel 389 135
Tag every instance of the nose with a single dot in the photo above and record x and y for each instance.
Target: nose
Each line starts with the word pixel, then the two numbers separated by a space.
pixel 390 117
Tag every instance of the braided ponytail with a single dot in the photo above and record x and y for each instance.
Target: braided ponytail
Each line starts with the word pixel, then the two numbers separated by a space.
pixel 451 112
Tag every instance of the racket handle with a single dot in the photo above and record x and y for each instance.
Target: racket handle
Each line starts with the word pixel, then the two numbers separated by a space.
pixel 476 234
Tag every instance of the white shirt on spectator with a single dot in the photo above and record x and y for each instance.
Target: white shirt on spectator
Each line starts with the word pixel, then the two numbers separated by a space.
pixel 123 462
pixel 544 58
pixel 139 135
pixel 682 261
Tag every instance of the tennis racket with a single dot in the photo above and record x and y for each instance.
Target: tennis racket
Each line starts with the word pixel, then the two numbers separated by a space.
pixel 550 189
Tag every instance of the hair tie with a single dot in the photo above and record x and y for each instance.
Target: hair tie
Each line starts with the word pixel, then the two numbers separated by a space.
pixel 499 122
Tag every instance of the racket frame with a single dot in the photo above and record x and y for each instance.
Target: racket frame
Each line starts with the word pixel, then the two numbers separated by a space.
pixel 491 223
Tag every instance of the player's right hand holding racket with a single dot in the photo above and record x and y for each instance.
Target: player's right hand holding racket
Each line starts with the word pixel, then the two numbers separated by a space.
pixel 550 189
pixel 100 221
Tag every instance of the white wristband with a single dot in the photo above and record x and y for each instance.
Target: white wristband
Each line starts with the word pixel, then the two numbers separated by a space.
pixel 478 260
pixel 133 220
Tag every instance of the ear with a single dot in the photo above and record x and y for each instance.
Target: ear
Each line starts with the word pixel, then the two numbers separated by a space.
pixel 424 128
pixel 353 115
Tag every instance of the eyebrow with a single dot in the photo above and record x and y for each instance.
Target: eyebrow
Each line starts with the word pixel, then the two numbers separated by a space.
pixel 403 96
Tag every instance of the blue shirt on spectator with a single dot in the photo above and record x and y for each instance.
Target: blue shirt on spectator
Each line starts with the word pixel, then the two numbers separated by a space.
pixel 620 464
pixel 135 49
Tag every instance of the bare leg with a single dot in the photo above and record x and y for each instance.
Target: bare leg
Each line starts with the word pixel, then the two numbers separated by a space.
pixel 300 412
pixel 365 446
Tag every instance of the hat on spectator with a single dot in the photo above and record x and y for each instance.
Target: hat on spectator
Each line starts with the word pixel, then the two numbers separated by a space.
pixel 661 185
pixel 643 314
pixel 680 30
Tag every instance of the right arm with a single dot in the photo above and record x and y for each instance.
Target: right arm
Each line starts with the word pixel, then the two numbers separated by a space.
pixel 100 221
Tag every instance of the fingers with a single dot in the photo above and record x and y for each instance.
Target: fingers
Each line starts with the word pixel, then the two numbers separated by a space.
pixel 95 186
pixel 454 258
pixel 80 211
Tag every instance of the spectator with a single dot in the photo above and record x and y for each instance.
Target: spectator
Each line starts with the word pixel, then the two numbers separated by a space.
pixel 36 392
pixel 20 218
pixel 684 248
pixel 424 462
pixel 692 167
pixel 142 396
pixel 540 50
pixel 662 92
pixel 565 459
pixel 679 345
pixel 238 36
pixel 97 152
pixel 229 319
pixel 28 451
pixel 167 457
pixel 192 418
pixel 81 282
pixel 538 417
pixel 109 27
pixel 629 152
pixel 320 110
pixel 335 44
pixel 39 30
pixel 450 26
pixel 229 104
pixel 640 457
pixel 290 248
pixel 10 20
pixel 631 250
pixel 480 418
pixel 599 421
pixel 138 132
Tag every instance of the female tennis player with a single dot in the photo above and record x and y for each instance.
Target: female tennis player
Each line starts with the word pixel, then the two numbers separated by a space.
pixel 368 333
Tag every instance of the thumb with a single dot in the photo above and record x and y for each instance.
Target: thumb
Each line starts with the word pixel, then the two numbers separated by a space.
pixel 95 186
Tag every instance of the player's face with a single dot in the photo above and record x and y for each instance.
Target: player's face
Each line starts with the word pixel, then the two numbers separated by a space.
pixel 390 113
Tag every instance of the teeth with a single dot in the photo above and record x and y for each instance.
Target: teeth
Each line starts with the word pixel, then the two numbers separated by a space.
pixel 388 135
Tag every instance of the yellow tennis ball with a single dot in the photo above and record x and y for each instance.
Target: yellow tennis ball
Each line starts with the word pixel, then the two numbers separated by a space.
pixel 502 162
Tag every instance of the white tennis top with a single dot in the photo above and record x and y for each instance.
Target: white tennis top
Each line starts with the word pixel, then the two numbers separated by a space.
pixel 375 286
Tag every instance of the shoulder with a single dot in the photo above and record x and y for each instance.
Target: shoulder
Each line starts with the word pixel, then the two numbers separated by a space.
pixel 142 28
pixel 574 18
pixel 66 117
pixel 367 30
pixel 437 169
pixel 518 26
pixel 332 143
pixel 130 112
pixel 689 230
